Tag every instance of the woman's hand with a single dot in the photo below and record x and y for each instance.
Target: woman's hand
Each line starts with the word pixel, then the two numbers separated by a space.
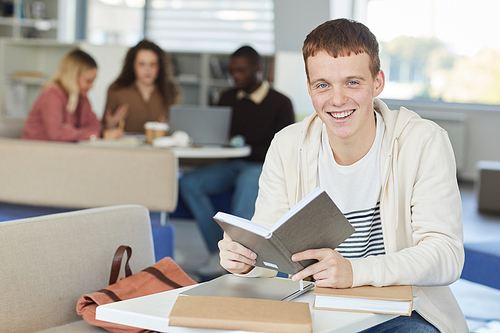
pixel 234 257
pixel 113 119
pixel 112 133
pixel 331 270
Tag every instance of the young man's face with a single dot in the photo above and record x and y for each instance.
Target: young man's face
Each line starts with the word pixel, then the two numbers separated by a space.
pixel 342 91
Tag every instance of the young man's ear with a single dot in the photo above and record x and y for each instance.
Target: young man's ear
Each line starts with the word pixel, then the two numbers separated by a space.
pixel 379 83
pixel 308 87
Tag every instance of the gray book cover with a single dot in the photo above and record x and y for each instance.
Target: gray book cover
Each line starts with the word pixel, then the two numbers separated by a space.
pixel 314 223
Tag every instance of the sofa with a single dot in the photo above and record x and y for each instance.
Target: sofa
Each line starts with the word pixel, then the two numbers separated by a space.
pixel 48 262
pixel 68 176
pixel 487 186
pixel 73 175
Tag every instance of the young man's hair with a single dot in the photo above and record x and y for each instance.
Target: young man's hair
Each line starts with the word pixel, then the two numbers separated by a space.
pixel 70 68
pixel 247 52
pixel 340 38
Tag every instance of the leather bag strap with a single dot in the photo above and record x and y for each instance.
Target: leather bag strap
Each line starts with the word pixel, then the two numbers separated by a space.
pixel 160 276
pixel 117 263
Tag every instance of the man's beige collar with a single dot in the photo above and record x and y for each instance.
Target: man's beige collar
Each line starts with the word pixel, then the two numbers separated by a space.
pixel 257 96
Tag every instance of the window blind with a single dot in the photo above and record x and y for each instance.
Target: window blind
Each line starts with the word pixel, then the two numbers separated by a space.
pixel 217 26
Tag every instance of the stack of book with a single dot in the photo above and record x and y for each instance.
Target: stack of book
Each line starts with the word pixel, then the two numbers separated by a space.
pixel 387 300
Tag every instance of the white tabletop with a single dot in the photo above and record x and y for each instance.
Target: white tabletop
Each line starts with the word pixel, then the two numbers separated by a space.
pixel 208 152
pixel 151 312
pixel 193 152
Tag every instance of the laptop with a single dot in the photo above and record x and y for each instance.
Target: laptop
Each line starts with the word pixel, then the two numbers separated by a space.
pixel 205 125
pixel 229 285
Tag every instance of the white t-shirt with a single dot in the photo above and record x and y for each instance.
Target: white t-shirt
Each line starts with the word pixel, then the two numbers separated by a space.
pixel 356 189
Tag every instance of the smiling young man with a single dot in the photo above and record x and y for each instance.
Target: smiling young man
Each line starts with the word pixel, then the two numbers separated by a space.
pixel 391 173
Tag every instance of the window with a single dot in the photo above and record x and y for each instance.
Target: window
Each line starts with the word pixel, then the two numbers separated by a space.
pixel 115 21
pixel 219 26
pixel 445 50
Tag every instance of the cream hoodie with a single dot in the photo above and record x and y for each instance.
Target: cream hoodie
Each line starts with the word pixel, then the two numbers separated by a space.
pixel 420 207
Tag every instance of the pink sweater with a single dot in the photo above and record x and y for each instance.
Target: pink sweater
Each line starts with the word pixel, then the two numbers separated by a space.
pixel 49 120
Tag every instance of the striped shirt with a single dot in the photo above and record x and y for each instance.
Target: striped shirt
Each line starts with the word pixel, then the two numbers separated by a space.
pixel 356 189
pixel 367 239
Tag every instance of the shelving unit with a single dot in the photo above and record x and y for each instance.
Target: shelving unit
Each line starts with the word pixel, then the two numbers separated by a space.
pixel 203 76
pixel 23 22
pixel 24 66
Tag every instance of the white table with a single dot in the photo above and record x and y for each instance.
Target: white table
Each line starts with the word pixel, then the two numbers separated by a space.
pixel 209 152
pixel 151 312
pixel 190 152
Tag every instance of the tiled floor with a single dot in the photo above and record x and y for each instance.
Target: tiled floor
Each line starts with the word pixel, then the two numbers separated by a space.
pixel 480 304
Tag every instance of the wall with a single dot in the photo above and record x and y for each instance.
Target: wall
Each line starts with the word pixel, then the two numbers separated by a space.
pixel 109 60
pixel 481 139
pixel 293 20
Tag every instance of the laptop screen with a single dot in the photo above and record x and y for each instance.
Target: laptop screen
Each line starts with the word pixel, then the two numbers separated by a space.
pixel 205 125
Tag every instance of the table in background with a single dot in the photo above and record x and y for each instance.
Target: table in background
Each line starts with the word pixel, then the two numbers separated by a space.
pixel 189 152
pixel 151 312
pixel 210 152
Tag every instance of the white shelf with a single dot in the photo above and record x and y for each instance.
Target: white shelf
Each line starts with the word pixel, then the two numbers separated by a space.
pixel 8 21
pixel 188 79
pixel 40 56
pixel 31 81
pixel 39 24
pixel 27 27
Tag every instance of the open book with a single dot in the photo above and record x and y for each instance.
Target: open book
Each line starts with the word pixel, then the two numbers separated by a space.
pixel 388 300
pixel 314 222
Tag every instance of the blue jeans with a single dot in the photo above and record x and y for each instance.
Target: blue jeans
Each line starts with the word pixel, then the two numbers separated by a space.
pixel 404 324
pixel 196 187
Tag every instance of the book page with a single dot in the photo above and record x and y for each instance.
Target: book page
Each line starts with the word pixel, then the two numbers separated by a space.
pixel 243 223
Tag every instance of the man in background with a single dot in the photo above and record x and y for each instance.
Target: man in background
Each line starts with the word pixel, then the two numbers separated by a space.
pixel 258 113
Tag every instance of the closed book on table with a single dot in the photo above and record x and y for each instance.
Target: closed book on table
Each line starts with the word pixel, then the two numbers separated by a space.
pixel 247 314
pixel 388 300
pixel 315 222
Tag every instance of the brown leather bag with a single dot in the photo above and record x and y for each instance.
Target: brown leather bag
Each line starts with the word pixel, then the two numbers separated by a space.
pixel 162 276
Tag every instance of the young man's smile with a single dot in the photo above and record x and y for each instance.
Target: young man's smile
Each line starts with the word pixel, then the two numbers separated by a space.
pixel 341 114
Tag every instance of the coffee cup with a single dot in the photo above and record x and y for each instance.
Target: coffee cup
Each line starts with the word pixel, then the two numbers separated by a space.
pixel 155 129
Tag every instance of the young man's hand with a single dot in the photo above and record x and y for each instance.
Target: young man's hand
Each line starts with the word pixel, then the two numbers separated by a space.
pixel 234 257
pixel 331 270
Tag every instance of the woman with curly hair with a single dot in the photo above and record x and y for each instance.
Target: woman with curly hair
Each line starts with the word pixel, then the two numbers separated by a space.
pixel 144 90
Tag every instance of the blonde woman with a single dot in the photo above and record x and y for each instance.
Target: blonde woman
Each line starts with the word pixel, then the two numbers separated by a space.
pixel 63 112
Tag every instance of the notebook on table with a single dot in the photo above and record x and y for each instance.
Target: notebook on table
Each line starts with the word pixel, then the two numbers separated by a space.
pixel 205 125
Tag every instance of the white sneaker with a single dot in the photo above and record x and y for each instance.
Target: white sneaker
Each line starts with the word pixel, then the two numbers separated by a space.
pixel 212 267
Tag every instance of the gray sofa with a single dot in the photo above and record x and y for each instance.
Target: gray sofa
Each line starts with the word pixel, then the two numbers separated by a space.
pixel 48 262
pixel 57 174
